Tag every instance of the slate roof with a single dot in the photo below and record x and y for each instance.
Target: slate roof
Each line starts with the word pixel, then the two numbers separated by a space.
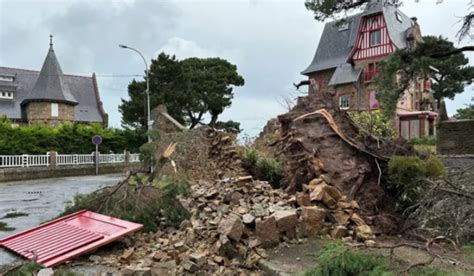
pixel 81 89
pixel 345 73
pixel 334 46
pixel 50 85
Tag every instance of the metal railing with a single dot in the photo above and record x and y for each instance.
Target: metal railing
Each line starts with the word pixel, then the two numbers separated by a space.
pixel 44 160
pixel 134 157
pixel 24 160
pixel 111 158
pixel 74 159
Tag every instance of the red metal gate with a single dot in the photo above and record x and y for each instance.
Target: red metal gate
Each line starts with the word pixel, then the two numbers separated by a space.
pixel 60 240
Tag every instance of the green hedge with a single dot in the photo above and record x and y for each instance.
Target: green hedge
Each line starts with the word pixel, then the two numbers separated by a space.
pixel 68 138
pixel 424 140
pixel 406 175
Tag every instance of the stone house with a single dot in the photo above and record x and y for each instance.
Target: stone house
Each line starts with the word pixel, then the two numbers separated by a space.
pixel 346 64
pixel 49 96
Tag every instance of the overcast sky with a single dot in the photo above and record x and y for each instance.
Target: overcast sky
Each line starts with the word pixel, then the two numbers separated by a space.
pixel 269 41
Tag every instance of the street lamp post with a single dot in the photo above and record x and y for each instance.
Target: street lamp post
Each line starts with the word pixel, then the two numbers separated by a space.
pixel 148 119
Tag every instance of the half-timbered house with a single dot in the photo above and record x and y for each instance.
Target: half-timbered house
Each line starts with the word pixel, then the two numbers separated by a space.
pixel 347 61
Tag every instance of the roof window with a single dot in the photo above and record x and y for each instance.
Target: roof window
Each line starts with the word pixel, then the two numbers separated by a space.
pixel 6 95
pixel 399 17
pixel 342 26
pixel 9 78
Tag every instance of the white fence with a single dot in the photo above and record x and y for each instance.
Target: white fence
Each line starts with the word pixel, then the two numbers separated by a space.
pixel 134 157
pixel 26 160
pixel 74 159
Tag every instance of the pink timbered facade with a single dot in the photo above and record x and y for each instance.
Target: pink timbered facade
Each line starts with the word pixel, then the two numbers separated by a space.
pixel 372 39
pixel 347 61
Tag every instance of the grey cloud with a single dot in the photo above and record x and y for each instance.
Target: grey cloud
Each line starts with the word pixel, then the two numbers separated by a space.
pixel 269 41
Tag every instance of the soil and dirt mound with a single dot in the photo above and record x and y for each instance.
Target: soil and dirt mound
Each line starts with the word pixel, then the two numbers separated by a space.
pixel 201 154
pixel 319 140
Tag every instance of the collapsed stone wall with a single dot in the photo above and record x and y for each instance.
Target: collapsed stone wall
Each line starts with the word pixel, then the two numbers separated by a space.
pixel 456 137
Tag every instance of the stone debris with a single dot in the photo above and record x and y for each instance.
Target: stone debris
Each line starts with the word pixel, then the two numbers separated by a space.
pixel 234 222
pixel 46 272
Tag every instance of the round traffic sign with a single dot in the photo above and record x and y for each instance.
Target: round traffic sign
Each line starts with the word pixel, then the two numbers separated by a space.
pixel 96 140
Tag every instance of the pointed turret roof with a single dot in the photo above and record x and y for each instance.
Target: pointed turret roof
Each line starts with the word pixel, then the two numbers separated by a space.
pixel 51 86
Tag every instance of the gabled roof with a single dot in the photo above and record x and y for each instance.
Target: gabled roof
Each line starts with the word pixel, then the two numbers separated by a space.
pixel 345 73
pixel 335 45
pixel 50 85
pixel 81 88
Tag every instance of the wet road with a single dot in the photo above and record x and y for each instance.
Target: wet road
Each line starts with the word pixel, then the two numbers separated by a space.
pixel 42 200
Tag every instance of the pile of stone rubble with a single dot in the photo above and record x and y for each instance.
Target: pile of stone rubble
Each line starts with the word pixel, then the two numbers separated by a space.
pixel 234 220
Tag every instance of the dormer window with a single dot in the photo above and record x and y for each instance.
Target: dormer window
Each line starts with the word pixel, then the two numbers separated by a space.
pixel 8 95
pixel 399 17
pixel 342 26
pixel 375 38
pixel 8 78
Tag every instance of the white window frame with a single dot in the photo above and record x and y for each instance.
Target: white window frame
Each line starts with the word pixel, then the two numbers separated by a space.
pixel 6 78
pixel 399 17
pixel 6 95
pixel 379 42
pixel 343 26
pixel 341 102
pixel 54 110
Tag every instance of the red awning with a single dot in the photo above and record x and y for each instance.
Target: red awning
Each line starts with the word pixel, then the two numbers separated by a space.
pixel 57 241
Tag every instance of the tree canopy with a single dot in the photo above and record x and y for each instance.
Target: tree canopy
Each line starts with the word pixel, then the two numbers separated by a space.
pixel 450 74
pixel 466 112
pixel 190 88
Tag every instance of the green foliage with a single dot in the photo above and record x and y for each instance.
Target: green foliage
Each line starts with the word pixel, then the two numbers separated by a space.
pixel 267 169
pixel 424 140
pixel 406 175
pixel 434 167
pixel 67 138
pixel 414 64
pixel 15 215
pixel 336 259
pixel 466 112
pixel 324 9
pixel 229 126
pixel 425 150
pixel 145 207
pixel 4 227
pixel 147 153
pixel 430 271
pixel 27 269
pixel 374 123
pixel 190 88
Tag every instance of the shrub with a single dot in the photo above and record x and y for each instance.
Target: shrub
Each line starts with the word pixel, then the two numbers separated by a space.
pixel 424 140
pixel 406 175
pixel 262 168
pixel 336 259
pixel 373 122
pixel 137 203
pixel 434 167
pixel 29 268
